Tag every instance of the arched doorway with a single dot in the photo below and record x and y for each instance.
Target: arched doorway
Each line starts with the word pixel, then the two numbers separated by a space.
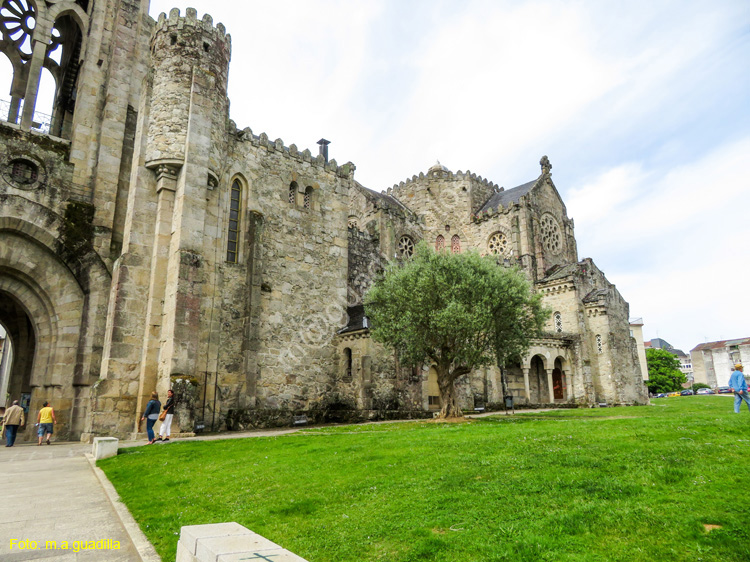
pixel 19 333
pixel 48 316
pixel 433 390
pixel 538 386
pixel 559 382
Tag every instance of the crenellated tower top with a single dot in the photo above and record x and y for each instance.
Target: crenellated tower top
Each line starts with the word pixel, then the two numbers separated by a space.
pixel 186 49
pixel 194 40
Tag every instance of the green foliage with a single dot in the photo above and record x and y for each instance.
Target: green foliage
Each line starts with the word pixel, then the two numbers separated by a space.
pixel 584 485
pixel 664 373
pixel 456 311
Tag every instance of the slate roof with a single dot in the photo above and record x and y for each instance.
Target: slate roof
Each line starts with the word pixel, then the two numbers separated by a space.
pixel 389 201
pixel 357 319
pixel 508 196
pixel 594 295
pixel 560 272
pixel 721 344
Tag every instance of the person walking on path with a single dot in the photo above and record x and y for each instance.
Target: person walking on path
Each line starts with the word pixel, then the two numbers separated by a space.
pixel 166 426
pixel 13 419
pixel 738 384
pixel 151 415
pixel 46 420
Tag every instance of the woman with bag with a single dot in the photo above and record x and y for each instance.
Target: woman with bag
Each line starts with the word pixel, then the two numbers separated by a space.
pixel 150 415
pixel 166 416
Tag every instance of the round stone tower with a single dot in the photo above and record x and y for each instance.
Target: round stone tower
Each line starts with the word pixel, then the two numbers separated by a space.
pixel 181 49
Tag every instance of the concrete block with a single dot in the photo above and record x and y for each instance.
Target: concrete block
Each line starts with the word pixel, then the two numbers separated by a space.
pixel 272 555
pixel 191 534
pixel 105 447
pixel 183 555
pixel 209 549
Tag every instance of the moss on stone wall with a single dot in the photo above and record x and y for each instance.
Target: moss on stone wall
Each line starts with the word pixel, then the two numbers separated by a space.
pixel 78 227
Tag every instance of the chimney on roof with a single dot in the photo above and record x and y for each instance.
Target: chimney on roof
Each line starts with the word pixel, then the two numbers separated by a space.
pixel 324 148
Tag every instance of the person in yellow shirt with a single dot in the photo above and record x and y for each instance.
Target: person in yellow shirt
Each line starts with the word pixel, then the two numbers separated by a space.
pixel 46 420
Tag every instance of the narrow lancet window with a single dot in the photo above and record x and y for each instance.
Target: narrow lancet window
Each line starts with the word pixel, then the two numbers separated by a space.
pixel 233 227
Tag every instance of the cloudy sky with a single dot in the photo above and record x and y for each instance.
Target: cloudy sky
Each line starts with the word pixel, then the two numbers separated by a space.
pixel 643 108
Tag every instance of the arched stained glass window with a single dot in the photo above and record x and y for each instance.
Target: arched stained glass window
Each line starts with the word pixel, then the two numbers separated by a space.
pixel 456 244
pixel 233 225
pixel 439 243
pixel 599 345
pixel 293 193
pixel 308 197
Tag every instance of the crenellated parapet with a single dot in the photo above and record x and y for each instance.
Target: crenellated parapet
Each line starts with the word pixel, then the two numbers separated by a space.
pixel 189 24
pixel 442 174
pixel 277 146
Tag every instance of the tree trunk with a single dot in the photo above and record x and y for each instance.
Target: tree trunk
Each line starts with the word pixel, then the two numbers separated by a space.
pixel 449 402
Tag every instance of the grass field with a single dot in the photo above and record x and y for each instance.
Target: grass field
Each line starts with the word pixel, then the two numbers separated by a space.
pixel 627 484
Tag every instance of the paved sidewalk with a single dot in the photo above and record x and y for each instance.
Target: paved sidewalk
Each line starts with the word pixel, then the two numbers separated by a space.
pixel 50 493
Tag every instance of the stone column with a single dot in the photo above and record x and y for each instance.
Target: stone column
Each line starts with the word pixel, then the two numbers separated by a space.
pixel 166 185
pixel 186 274
pixel 526 386
pixel 32 84
pixel 15 104
pixel 549 386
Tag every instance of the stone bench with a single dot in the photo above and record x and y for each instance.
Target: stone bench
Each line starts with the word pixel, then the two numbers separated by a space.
pixel 104 447
pixel 228 542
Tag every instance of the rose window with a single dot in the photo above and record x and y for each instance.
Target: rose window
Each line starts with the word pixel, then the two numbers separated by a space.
pixel 498 244
pixel 18 20
pixel 551 239
pixel 405 247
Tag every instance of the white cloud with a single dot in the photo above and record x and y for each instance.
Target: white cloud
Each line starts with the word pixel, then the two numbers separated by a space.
pixel 627 208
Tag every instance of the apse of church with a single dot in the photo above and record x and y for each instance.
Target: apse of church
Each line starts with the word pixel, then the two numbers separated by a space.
pixel 146 239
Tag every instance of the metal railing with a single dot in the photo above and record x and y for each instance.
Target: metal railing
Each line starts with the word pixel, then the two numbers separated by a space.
pixel 41 121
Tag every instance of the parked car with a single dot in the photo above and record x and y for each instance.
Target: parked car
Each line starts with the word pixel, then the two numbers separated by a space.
pixel 686 392
pixel 705 391
pixel 661 395
pixel 673 394
pixel 725 390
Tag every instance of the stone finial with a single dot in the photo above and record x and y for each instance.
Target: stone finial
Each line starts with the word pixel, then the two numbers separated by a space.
pixel 546 166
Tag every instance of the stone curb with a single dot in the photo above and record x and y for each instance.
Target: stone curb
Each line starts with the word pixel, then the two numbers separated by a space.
pixel 146 551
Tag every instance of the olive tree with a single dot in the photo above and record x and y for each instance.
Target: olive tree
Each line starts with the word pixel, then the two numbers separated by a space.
pixel 455 311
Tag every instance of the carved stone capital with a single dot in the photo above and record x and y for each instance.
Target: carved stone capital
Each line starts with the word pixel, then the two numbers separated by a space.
pixel 166 171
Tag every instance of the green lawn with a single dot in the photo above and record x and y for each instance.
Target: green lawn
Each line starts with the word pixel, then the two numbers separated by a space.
pixel 607 484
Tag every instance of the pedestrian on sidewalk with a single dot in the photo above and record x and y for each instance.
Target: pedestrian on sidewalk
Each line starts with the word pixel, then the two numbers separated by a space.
pixel 13 419
pixel 166 426
pixel 46 420
pixel 151 414
pixel 738 384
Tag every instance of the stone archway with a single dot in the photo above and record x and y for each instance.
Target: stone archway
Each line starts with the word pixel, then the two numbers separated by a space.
pixel 559 383
pixel 538 384
pixel 20 335
pixel 42 306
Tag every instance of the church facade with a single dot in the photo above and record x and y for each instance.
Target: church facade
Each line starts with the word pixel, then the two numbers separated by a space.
pixel 145 239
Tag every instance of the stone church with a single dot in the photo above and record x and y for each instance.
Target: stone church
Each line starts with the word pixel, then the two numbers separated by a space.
pixel 146 240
